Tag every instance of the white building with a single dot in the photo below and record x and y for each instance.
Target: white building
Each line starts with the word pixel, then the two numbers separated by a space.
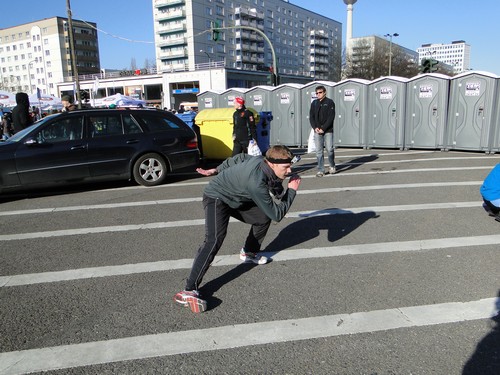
pixel 37 54
pixel 305 43
pixel 455 54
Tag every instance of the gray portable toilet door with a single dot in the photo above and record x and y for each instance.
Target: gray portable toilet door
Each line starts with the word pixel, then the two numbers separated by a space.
pixel 471 121
pixel 283 127
pixel 348 108
pixel 388 101
pixel 426 116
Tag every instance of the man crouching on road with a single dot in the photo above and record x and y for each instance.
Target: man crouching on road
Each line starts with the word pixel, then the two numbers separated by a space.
pixel 250 189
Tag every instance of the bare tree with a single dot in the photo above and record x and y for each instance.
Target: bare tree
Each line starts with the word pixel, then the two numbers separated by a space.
pixel 133 64
pixel 370 60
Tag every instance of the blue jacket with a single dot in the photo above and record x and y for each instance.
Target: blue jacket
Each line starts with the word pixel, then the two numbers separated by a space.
pixel 490 190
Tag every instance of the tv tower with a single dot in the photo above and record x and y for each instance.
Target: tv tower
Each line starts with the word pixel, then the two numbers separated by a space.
pixel 348 35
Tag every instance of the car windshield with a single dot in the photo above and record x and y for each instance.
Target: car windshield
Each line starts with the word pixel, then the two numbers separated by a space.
pixel 20 134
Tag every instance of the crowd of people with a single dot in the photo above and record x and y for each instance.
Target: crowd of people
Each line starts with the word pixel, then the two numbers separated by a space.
pixel 23 115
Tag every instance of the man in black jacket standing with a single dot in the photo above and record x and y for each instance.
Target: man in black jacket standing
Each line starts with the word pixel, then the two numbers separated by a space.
pixel 250 189
pixel 321 117
pixel 244 128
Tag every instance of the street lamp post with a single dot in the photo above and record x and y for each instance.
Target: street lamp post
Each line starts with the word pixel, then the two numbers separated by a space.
pixel 209 66
pixel 390 49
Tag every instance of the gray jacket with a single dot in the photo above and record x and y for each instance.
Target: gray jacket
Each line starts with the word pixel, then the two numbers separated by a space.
pixel 246 180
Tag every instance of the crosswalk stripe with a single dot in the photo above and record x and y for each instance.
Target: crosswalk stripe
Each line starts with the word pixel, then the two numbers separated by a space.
pixel 226 260
pixel 243 335
pixel 182 223
pixel 198 199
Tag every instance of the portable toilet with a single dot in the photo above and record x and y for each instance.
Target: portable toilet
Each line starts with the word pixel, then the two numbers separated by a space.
pixel 495 133
pixel 426 111
pixel 351 110
pixel 471 111
pixel 260 98
pixel 307 95
pixel 386 112
pixel 227 96
pixel 286 110
pixel 208 99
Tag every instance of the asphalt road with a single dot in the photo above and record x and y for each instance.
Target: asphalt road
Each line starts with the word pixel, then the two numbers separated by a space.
pixel 391 266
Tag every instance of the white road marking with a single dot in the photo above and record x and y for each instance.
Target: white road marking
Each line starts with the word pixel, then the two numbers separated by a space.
pixel 226 260
pixel 181 223
pixel 198 199
pixel 242 335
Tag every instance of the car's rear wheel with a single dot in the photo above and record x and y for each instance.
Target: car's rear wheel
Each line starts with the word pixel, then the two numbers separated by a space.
pixel 150 170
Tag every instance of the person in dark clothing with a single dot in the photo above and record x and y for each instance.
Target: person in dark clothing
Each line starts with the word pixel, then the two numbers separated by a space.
pixel 68 103
pixel 6 125
pixel 321 117
pixel 244 128
pixel 21 118
pixel 250 189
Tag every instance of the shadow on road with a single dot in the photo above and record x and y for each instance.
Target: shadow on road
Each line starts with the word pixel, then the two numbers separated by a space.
pixel 337 223
pixel 341 167
pixel 486 358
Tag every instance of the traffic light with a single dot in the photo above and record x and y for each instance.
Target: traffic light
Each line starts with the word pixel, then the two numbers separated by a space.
pixel 84 95
pixel 429 65
pixel 425 66
pixel 215 31
pixel 433 65
pixel 272 80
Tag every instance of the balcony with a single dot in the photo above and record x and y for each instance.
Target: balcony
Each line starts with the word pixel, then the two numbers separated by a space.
pixel 172 54
pixel 172 42
pixel 180 13
pixel 175 28
pixel 166 3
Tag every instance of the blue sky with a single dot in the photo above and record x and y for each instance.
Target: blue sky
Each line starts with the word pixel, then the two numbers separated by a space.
pixel 416 21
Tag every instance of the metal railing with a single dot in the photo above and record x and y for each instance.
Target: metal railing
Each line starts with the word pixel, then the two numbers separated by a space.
pixel 147 72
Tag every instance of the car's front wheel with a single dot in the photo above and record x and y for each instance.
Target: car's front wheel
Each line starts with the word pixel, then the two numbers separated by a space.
pixel 150 170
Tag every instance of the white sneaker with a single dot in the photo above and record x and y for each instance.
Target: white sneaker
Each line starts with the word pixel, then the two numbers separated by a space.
pixel 252 257
pixel 332 170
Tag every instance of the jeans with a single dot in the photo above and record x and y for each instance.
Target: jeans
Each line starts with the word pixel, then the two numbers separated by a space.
pixel 324 140
pixel 217 215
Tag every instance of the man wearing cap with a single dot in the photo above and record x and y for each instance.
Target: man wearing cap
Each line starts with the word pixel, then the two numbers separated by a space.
pixel 250 189
pixel 244 128
pixel 67 102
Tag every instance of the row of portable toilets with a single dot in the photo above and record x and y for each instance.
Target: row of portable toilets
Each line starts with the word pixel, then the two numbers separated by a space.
pixel 429 111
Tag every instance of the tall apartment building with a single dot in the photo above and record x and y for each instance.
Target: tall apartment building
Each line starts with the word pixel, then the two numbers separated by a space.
pixel 305 43
pixel 38 55
pixel 455 54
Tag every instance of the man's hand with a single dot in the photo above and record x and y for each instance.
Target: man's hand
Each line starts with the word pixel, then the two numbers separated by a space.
pixel 294 182
pixel 319 131
pixel 207 172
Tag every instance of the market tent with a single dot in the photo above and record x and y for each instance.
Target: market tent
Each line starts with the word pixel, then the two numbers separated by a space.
pixel 119 100
pixel 7 99
pixel 44 100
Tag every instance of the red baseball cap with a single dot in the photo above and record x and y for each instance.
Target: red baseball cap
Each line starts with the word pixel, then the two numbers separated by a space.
pixel 239 100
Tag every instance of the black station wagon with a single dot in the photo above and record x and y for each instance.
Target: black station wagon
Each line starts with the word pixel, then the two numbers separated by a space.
pixel 98 144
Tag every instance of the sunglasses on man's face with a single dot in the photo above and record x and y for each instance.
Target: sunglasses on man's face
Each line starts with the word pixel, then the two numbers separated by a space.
pixel 320 92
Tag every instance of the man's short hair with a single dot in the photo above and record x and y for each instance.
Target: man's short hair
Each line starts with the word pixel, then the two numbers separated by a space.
pixel 279 152
pixel 320 87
